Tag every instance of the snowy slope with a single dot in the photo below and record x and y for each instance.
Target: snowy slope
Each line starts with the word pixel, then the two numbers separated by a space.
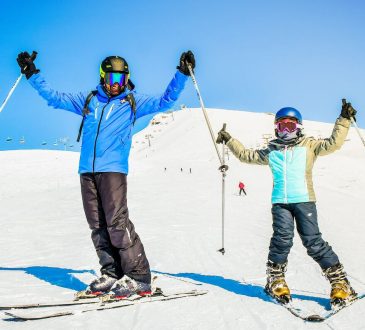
pixel 46 251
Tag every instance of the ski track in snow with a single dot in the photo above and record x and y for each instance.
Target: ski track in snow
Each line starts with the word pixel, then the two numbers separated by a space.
pixel 47 252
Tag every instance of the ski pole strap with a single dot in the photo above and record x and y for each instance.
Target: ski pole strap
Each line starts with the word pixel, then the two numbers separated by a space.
pixel 85 111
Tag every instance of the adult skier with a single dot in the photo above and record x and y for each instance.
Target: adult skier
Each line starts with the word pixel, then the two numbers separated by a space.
pixel 108 119
pixel 290 157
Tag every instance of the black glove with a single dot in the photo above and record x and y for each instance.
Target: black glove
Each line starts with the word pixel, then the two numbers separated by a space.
pixel 223 136
pixel 185 58
pixel 26 64
pixel 347 110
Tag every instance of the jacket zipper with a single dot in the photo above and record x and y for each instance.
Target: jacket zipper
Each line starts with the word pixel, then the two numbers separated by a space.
pixel 285 176
pixel 97 133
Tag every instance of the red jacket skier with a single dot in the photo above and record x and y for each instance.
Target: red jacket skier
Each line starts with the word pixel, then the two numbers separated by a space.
pixel 241 186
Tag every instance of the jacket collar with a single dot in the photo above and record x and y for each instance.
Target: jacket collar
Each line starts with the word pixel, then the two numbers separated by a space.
pixel 103 97
pixel 281 143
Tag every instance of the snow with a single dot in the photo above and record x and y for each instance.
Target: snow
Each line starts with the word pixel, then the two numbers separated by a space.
pixel 47 253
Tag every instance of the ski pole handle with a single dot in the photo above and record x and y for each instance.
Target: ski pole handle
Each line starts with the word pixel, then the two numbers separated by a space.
pixel 34 55
pixel 224 126
pixel 32 58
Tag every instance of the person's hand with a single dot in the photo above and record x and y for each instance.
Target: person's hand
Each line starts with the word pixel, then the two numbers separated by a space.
pixel 185 59
pixel 26 63
pixel 347 110
pixel 223 136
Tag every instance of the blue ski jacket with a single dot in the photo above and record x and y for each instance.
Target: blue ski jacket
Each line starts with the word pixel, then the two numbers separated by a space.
pixel 107 131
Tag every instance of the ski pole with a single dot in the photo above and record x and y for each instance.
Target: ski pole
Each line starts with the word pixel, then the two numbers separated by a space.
pixel 223 168
pixel 358 130
pixel 32 57
pixel 353 122
pixel 204 111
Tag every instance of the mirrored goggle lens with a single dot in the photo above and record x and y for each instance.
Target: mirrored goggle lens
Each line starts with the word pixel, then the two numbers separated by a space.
pixel 289 126
pixel 115 77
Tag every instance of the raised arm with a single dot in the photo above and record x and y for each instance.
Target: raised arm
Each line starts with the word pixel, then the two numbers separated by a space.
pixel 258 156
pixel 336 140
pixel 149 104
pixel 58 100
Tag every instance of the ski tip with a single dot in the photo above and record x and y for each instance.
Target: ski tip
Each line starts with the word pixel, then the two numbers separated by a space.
pixel 314 318
pixel 14 316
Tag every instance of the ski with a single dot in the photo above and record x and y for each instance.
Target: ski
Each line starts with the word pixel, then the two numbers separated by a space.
pixel 291 307
pixel 327 314
pixel 305 314
pixel 51 304
pixel 80 298
pixel 158 296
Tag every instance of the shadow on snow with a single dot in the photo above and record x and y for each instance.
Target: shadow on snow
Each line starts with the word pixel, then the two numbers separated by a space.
pixel 62 277
pixel 244 289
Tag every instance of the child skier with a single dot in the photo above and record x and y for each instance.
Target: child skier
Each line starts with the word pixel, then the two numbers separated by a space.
pixel 291 156
pixel 108 117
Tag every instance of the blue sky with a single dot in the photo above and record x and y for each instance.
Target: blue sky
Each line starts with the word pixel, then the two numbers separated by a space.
pixel 251 55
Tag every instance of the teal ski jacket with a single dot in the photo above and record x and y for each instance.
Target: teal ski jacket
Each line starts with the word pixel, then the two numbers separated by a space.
pixel 291 166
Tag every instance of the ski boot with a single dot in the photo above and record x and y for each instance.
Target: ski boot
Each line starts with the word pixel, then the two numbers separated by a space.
pixel 276 285
pixel 126 287
pixel 97 287
pixel 342 294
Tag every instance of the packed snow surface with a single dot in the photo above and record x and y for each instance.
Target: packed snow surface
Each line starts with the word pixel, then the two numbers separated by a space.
pixel 174 197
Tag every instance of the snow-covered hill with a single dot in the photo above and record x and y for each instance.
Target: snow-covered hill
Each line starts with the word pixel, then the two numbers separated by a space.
pixel 174 197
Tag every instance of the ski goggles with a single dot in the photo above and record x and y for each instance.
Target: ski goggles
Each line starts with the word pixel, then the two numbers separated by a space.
pixel 111 78
pixel 288 125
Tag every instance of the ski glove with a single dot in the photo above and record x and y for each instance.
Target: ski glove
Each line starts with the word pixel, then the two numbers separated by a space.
pixel 186 57
pixel 223 136
pixel 26 64
pixel 347 110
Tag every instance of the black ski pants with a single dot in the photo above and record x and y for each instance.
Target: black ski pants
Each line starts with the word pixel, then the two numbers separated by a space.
pixel 305 216
pixel 119 248
pixel 242 190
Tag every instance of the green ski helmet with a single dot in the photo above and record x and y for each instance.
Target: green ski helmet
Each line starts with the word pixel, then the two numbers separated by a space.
pixel 114 64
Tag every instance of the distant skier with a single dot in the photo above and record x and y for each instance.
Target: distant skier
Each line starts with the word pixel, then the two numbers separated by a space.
pixel 241 187
pixel 103 167
pixel 291 157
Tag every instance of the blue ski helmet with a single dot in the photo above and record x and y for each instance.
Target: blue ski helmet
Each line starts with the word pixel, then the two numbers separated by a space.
pixel 288 112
